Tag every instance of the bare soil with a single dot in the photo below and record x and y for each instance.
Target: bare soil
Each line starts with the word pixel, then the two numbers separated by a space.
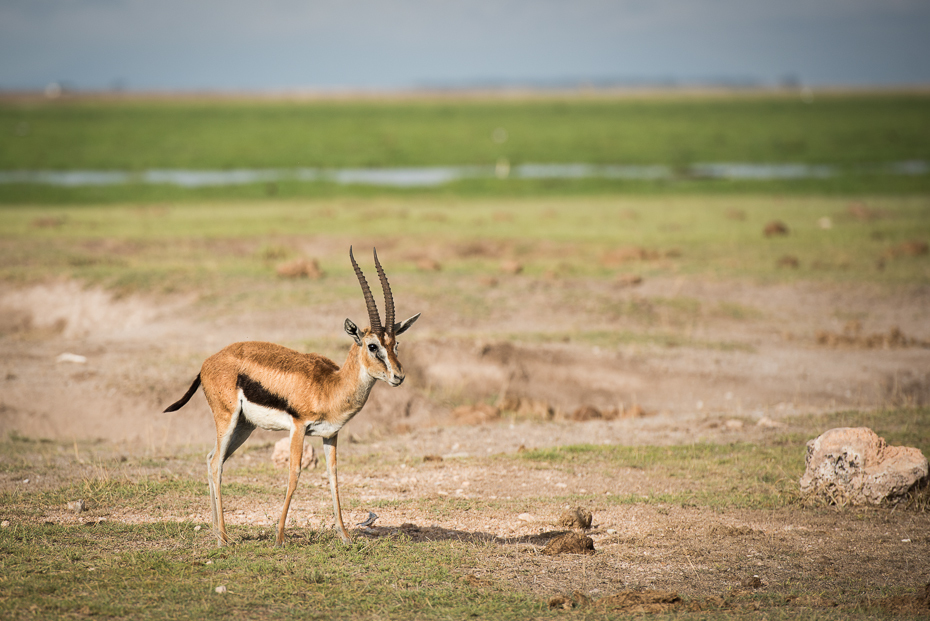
pixel 733 376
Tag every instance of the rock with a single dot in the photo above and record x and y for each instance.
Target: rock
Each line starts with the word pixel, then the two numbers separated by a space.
pixel 629 280
pixel 586 412
pixel 73 358
pixel 221 589
pixel 775 227
pixel 300 268
pixel 752 582
pixel 5 524
pixel 576 518
pixel 855 466
pixel 569 543
pixel 77 506
pixel 651 602
pixel 524 406
pixel 767 423
pixel 526 517
pixel 476 414
pixel 281 456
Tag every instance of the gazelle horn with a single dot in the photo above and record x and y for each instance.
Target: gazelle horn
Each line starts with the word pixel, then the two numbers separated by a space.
pixel 388 297
pixel 373 317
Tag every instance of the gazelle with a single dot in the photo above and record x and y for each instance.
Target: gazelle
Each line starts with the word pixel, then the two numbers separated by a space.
pixel 254 384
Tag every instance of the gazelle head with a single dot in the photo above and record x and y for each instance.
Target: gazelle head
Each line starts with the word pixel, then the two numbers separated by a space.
pixel 378 343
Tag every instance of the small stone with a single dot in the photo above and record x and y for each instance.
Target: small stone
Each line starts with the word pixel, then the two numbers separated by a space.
pixel 775 227
pixel 221 589
pixel 5 524
pixel 281 456
pixel 300 268
pixel 197 528
pixel 77 506
pixel 72 358
pixel 767 423
pixel 526 517
pixel 753 582
pixel 733 424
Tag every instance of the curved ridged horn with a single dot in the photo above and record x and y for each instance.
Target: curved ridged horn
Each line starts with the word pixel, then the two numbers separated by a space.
pixel 373 317
pixel 388 297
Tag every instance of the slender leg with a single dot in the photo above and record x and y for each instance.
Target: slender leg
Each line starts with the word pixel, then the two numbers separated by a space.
pixel 233 436
pixel 329 450
pixel 212 485
pixel 297 452
pixel 215 472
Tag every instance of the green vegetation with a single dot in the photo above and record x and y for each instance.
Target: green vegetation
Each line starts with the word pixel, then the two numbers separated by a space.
pixel 232 249
pixel 168 571
pixel 850 131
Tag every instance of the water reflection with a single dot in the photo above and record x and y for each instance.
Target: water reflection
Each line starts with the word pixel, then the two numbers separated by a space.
pixel 432 176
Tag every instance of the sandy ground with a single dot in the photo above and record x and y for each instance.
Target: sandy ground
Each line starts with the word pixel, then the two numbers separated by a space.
pixel 735 377
pixel 141 354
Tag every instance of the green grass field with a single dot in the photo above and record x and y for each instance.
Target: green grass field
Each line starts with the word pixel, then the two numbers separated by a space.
pixel 224 247
pixel 850 131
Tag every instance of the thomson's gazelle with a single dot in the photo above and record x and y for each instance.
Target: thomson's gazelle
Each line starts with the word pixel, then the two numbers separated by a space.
pixel 249 385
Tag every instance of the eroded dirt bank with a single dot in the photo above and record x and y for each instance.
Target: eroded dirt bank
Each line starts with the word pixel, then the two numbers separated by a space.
pixel 750 352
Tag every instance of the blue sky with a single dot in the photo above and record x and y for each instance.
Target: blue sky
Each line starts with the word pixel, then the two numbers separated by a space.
pixel 377 44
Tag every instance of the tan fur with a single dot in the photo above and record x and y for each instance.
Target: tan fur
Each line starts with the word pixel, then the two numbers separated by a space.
pixel 304 393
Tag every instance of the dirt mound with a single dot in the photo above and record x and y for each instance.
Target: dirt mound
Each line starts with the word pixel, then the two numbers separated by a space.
pixel 640 601
pixel 852 336
pixel 73 311
pixel 576 518
pixel 569 543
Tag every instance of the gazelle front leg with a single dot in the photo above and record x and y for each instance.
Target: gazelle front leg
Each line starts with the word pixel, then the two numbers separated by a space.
pixel 329 450
pixel 297 453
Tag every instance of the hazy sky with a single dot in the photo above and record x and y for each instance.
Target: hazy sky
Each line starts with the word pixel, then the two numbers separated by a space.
pixel 289 44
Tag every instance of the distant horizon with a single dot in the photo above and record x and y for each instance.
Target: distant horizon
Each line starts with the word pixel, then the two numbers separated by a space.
pixel 55 90
pixel 378 46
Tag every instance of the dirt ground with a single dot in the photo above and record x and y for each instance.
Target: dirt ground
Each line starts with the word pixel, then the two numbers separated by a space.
pixel 735 376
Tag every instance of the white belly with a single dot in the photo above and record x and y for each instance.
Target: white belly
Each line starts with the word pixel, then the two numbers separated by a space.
pixel 265 417
pixel 323 429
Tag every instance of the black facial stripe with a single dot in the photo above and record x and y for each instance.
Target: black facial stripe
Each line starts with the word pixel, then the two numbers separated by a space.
pixel 259 395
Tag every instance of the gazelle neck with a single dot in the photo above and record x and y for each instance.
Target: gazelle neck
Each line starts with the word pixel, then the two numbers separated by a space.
pixel 353 384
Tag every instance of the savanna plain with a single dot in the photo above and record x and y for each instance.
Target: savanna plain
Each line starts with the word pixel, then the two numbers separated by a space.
pixel 656 353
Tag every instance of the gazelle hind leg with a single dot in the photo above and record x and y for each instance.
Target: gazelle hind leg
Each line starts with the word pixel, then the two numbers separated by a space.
pixel 297 452
pixel 329 450
pixel 227 442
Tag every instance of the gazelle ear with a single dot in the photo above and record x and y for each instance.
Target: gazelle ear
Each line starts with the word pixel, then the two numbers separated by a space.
pixel 352 330
pixel 400 328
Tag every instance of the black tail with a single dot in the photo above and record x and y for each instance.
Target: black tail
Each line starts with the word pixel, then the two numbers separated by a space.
pixel 180 403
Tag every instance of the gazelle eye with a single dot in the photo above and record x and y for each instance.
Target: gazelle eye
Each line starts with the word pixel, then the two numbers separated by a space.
pixel 372 347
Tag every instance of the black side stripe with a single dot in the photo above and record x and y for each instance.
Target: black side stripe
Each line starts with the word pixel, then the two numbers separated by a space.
pixel 259 395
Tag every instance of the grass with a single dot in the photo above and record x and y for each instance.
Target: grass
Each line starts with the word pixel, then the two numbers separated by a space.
pixel 221 249
pixel 170 568
pixel 167 571
pixel 850 131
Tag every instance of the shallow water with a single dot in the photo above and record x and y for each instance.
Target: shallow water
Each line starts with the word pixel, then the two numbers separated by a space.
pixel 432 176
